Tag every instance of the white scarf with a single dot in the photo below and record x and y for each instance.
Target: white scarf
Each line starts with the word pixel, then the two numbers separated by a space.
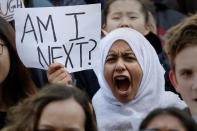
pixel 113 115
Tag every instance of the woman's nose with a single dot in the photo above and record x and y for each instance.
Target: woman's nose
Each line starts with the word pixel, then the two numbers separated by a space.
pixel 125 23
pixel 120 66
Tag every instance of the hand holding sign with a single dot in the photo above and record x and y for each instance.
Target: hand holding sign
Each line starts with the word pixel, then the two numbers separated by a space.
pixel 59 75
pixel 68 35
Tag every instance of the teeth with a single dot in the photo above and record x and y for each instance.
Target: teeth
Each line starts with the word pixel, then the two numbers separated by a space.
pixel 120 78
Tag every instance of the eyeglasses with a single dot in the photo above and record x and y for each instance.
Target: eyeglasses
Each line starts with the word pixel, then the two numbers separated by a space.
pixel 1 48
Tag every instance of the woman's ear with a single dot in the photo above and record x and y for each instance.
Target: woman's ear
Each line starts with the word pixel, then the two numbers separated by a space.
pixel 148 28
pixel 174 81
pixel 151 25
pixel 104 30
pixel 104 27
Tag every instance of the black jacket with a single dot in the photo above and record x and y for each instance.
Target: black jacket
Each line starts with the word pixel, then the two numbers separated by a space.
pixel 156 43
pixel 87 81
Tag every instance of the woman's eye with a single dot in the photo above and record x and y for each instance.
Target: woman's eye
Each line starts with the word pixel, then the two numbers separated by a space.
pixel 130 58
pixel 132 17
pixel 110 60
pixel 116 18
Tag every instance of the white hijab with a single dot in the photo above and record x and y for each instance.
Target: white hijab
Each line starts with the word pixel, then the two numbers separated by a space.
pixel 113 115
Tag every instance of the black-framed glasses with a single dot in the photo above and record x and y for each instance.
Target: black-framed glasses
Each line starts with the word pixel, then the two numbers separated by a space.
pixel 1 48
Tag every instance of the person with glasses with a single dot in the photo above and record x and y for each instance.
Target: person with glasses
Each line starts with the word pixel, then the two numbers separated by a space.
pixel 15 80
pixel 1 48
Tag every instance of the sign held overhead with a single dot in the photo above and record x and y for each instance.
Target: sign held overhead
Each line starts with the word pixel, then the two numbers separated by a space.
pixel 68 35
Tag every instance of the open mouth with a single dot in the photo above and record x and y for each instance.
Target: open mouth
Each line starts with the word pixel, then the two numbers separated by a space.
pixel 122 84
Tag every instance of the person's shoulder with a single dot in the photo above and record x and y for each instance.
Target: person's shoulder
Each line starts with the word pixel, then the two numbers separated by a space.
pixel 171 99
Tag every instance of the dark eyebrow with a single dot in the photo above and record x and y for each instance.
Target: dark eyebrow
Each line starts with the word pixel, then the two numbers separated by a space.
pixel 183 70
pixel 132 13
pixel 119 12
pixel 129 53
pixel 115 13
pixel 111 54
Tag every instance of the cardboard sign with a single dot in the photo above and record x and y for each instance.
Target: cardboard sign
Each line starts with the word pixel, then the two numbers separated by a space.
pixel 68 35
pixel 8 7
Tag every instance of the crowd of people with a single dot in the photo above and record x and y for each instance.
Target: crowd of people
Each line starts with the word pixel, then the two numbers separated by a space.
pixel 147 78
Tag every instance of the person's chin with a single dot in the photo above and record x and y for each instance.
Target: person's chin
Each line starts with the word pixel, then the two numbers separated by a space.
pixel 124 97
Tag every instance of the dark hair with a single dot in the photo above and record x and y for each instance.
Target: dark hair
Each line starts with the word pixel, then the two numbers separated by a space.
pixel 146 5
pixel 187 6
pixel 26 115
pixel 184 118
pixel 18 84
pixel 28 3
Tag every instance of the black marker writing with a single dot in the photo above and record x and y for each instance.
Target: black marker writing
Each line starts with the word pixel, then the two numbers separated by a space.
pixel 80 46
pixel 68 55
pixel 19 4
pixel 25 31
pixel 95 44
pixel 40 55
pixel 52 53
pixel 76 25
pixel 50 20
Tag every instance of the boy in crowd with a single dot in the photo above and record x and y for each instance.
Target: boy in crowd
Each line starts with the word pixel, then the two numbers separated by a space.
pixel 181 47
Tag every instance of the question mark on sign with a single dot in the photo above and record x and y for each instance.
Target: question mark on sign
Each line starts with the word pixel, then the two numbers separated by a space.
pixel 95 44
